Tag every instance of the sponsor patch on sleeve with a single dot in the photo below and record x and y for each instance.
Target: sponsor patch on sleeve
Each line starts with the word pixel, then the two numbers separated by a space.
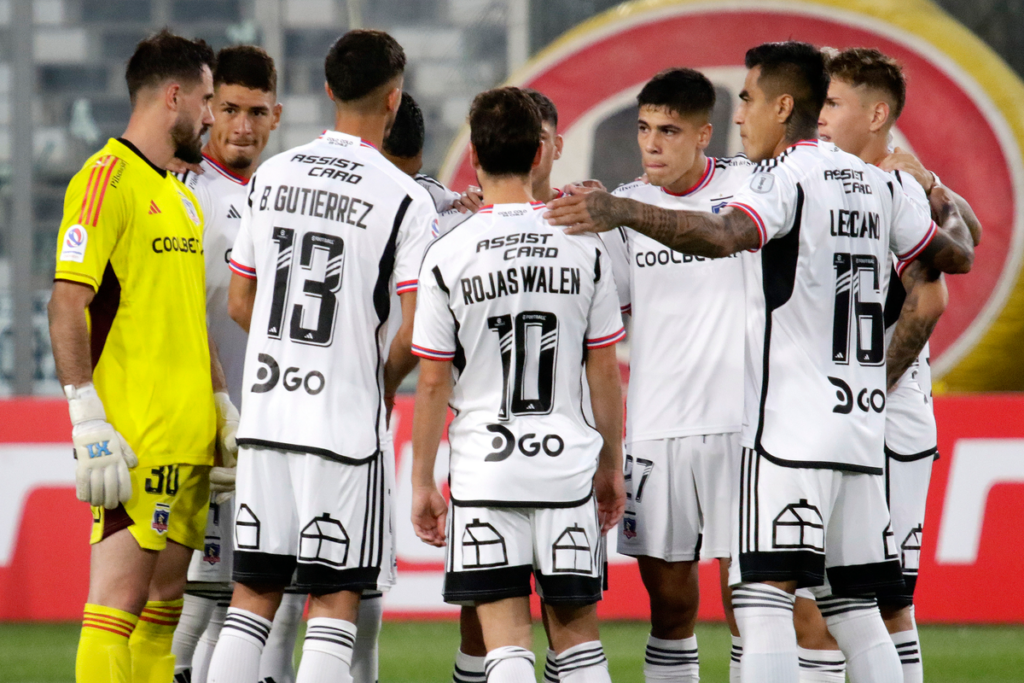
pixel 73 248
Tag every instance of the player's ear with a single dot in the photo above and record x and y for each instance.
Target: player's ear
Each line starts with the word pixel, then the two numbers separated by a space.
pixel 879 116
pixel 538 155
pixel 558 147
pixel 327 89
pixel 394 100
pixel 275 116
pixel 783 108
pixel 171 93
pixel 704 136
pixel 474 160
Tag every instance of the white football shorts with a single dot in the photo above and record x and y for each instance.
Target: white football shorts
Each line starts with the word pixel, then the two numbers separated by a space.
pixel 803 524
pixel 906 488
pixel 492 552
pixel 214 564
pixel 678 497
pixel 329 522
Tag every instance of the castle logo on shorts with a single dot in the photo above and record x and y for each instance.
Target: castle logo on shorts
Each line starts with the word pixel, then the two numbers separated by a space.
pixel 324 540
pixel 571 552
pixel 161 518
pixel 483 546
pixel 799 527
pixel 211 552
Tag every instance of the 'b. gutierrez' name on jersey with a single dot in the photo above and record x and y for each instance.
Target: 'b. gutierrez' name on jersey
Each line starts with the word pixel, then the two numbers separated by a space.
pixel 324 204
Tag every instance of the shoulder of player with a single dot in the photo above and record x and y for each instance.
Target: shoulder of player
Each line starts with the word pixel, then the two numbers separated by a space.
pixel 100 181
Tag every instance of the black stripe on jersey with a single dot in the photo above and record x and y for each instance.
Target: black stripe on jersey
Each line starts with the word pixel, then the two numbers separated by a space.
pixel 928 453
pixel 519 503
pixel 894 299
pixel 252 188
pixel 597 266
pixel 778 277
pixel 297 448
pixel 382 299
pixel 459 360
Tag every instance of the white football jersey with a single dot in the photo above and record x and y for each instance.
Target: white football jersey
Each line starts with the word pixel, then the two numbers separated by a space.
pixel 330 231
pixel 816 348
pixel 686 338
pixel 910 430
pixel 222 195
pixel 442 196
pixel 514 302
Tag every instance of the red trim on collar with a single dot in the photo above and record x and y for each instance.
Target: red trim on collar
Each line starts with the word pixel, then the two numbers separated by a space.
pixel 224 171
pixel 709 171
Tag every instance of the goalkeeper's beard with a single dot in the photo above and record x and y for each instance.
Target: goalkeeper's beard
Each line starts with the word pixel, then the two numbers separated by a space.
pixel 187 146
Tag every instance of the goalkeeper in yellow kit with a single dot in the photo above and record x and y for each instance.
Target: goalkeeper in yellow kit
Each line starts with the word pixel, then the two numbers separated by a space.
pixel 128 330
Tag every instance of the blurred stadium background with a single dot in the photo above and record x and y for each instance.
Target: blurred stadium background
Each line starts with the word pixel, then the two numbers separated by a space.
pixel 62 94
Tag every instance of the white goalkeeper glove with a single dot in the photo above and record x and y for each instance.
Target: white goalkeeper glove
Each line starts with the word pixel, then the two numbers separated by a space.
pixel 104 456
pixel 222 484
pixel 227 428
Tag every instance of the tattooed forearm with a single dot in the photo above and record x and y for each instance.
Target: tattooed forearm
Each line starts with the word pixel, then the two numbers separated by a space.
pixel 926 300
pixel 908 339
pixel 691 232
pixel 952 249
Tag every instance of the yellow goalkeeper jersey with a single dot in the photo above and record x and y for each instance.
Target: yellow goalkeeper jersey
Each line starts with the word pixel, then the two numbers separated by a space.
pixel 133 232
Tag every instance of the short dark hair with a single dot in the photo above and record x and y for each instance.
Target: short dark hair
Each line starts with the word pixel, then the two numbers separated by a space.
pixel 164 56
pixel 505 129
pixel 796 69
pixel 246 65
pixel 360 62
pixel 874 69
pixel 548 110
pixel 687 92
pixel 406 137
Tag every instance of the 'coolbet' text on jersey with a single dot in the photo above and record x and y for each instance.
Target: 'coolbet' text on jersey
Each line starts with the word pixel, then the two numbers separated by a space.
pixel 222 196
pixel 133 233
pixel 815 341
pixel 686 338
pixel 514 303
pixel 330 231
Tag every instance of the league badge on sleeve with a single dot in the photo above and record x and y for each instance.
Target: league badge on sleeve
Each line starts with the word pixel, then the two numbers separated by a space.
pixel 161 518
pixel 73 248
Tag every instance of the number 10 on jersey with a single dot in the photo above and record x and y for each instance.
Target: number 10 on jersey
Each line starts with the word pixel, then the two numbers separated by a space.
pixel 534 335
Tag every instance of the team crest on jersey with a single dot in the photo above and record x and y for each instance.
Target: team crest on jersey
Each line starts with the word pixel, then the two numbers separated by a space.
pixel 211 553
pixel 190 208
pixel 161 518
pixel 75 240
pixel 629 526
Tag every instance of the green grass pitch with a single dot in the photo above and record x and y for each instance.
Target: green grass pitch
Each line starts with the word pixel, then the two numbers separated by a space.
pixel 422 652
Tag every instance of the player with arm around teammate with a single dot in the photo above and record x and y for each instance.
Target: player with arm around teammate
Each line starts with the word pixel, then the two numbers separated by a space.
pixel 511 313
pixel 129 336
pixel 866 96
pixel 329 232
pixel 685 402
pixel 811 508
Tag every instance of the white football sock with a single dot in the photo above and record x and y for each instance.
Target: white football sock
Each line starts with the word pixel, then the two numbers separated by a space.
pixel 327 651
pixel 908 647
pixel 204 651
pixel 195 614
pixel 734 659
pixel 583 663
pixel 364 655
pixel 509 665
pixel 278 661
pixel 468 669
pixel 671 660
pixel 236 659
pixel 822 666
pixel 550 667
pixel 764 615
pixel 857 626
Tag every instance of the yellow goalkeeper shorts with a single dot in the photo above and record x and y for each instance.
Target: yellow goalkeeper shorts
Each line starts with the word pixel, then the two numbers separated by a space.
pixel 168 502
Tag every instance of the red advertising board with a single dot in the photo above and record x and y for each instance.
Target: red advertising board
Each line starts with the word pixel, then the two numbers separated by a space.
pixel 971 533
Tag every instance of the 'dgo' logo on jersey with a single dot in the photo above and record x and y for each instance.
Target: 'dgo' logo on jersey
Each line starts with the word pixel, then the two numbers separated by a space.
pixel 976 343
pixel 505 442
pixel 270 374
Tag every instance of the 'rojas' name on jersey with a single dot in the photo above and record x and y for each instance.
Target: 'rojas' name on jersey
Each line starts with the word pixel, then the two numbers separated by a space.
pixel 513 303
pixel 331 232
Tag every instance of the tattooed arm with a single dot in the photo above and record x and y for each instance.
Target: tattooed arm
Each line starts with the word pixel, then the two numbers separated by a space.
pixel 691 232
pixel 952 248
pixel 926 300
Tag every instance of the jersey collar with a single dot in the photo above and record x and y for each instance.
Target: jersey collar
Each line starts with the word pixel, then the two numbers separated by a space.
pixel 234 177
pixel 490 208
pixel 135 150
pixel 709 173
pixel 336 137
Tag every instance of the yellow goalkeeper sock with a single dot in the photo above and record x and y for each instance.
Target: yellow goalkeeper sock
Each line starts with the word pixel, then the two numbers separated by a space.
pixel 103 653
pixel 152 661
